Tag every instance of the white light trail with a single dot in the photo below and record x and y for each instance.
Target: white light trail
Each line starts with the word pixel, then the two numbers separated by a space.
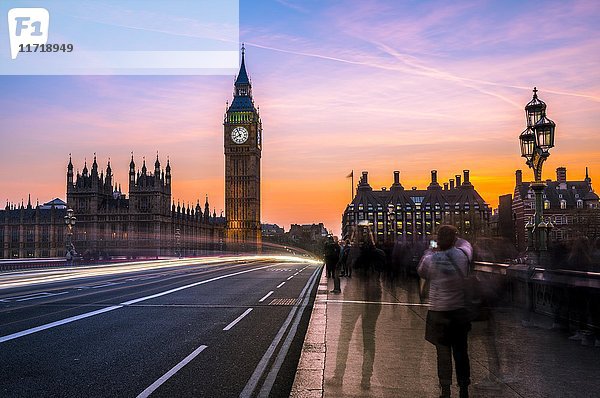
pixel 26 278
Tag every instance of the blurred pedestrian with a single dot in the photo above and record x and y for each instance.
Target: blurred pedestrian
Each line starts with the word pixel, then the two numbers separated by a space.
pixel 331 252
pixel 448 322
pixel 580 259
pixel 343 263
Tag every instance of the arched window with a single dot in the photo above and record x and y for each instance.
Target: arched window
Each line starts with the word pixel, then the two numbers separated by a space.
pixel 546 204
pixel 563 204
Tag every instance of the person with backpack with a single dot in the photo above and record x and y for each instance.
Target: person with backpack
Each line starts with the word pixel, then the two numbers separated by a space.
pixel 448 320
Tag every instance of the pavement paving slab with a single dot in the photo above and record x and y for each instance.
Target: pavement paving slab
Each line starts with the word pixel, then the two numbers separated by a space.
pixel 368 341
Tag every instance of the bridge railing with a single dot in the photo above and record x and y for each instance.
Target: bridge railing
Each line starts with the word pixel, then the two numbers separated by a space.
pixel 22 264
pixel 28 263
pixel 571 298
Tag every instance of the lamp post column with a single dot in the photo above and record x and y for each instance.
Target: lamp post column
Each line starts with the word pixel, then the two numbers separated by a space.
pixel 538 217
pixel 70 221
pixel 536 141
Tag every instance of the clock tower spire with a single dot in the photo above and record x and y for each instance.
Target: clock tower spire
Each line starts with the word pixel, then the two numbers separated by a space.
pixel 242 130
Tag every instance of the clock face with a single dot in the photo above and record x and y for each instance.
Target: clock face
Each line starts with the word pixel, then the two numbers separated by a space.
pixel 239 135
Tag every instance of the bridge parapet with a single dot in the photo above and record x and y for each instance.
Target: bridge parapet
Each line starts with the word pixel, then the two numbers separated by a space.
pixel 571 297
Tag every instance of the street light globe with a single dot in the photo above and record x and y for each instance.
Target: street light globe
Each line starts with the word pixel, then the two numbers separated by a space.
pixel 528 140
pixel 544 130
pixel 535 109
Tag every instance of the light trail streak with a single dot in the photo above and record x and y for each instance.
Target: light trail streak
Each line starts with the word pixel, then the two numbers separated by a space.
pixel 20 279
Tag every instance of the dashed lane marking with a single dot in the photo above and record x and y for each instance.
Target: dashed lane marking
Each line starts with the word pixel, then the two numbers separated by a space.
pixel 236 320
pixel 33 296
pixel 121 305
pixel 266 296
pixel 170 373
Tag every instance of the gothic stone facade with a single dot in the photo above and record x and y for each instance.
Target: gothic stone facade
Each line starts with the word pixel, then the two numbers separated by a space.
pixel 242 130
pixel 27 231
pixel 412 216
pixel 146 223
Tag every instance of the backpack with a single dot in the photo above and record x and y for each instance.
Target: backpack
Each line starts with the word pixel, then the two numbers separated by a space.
pixel 473 292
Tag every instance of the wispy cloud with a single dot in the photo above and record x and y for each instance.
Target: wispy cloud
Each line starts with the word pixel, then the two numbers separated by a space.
pixel 363 85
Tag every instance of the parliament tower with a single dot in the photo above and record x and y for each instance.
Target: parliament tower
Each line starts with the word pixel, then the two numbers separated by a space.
pixel 242 130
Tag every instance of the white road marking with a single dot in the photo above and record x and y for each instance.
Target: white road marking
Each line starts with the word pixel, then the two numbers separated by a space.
pixel 57 323
pixel 281 284
pixel 120 305
pixel 44 296
pixel 239 318
pixel 33 296
pixel 376 302
pixel 262 365
pixel 106 285
pixel 290 277
pixel 171 372
pixel 267 295
pixel 265 391
pixel 26 296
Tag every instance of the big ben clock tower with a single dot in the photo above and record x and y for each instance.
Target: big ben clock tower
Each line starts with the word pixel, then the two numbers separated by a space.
pixel 242 129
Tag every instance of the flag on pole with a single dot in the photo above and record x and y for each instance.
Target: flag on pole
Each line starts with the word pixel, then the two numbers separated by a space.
pixel 351 175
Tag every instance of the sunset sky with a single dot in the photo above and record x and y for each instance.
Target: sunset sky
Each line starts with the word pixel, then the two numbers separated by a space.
pixel 341 85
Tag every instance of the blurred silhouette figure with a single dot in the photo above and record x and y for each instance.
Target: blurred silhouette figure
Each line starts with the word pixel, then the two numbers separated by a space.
pixel 343 263
pixel 368 255
pixel 368 283
pixel 560 307
pixel 337 269
pixel 399 269
pixel 448 321
pixel 529 308
pixel 580 259
pixel 486 328
pixel 331 252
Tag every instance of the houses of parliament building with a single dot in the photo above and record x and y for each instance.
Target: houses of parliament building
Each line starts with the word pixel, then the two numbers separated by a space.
pixel 146 221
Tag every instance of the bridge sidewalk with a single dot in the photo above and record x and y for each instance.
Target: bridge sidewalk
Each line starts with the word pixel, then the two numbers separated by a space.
pixel 368 341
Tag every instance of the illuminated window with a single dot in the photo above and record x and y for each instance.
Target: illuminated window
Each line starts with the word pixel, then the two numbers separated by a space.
pixel 546 204
pixel 563 204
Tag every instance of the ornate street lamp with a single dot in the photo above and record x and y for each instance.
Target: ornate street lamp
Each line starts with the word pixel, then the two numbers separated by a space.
pixel 70 221
pixel 536 141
